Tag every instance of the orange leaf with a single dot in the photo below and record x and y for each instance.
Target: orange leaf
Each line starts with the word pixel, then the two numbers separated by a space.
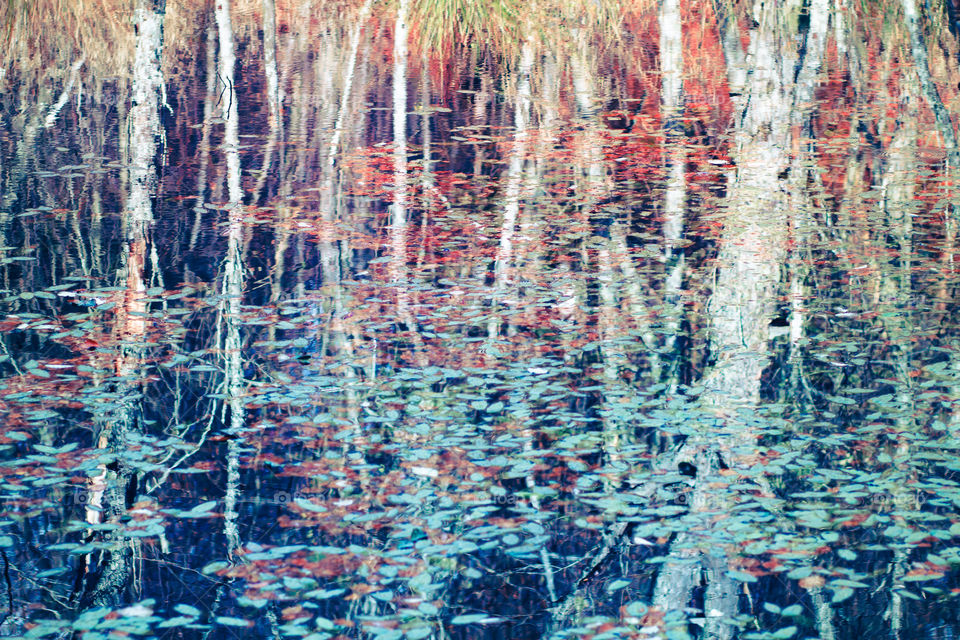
pixel 812 582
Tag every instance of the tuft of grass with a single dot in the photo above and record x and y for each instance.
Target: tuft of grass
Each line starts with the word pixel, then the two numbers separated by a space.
pixel 501 27
pixel 442 26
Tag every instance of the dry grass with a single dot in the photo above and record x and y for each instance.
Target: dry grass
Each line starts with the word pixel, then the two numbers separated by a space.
pixel 441 25
pixel 46 36
pixel 501 26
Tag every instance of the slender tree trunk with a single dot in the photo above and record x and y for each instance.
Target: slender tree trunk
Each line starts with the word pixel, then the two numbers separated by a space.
pixel 204 147
pixel 513 188
pixel 532 226
pixel 329 201
pixel 274 91
pixel 610 324
pixel 918 48
pixel 274 98
pixel 675 196
pixel 944 122
pixel 233 276
pixel 347 93
pixel 801 218
pixel 898 189
pixel 615 233
pixel 480 104
pixel 401 189
pixel 109 489
pixel 398 218
pixel 51 118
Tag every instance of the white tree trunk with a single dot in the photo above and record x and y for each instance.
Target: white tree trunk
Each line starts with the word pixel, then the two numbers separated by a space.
pixel 753 248
pixel 274 98
pixel 675 195
pixel 334 148
pixel 232 278
pixel 514 177
pixel 204 147
pixel 398 221
pixel 107 490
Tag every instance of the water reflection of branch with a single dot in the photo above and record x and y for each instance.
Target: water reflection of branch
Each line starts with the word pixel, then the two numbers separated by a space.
pixel 167 471
pixel 226 87
pixel 25 577
pixel 12 360
pixel 65 94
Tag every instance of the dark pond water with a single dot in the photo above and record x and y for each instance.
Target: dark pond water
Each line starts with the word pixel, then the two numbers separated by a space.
pixel 354 320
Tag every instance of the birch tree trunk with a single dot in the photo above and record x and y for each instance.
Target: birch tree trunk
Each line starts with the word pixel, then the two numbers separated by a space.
pixel 329 204
pixel 513 181
pixel 743 301
pixel 361 19
pixel 274 97
pixel 232 287
pixel 204 147
pixel 801 219
pixel 397 269
pixel 675 196
pixel 398 218
pixel 944 122
pixel 595 189
pixel 108 490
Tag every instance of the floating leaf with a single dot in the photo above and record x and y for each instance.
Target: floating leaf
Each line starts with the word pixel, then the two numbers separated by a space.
pixel 178 621
pixel 470 618
pixel 303 503
pixel 742 576
pixel 187 610
pixel 200 511
pixel 841 594
pixel 616 585
pixel 418 633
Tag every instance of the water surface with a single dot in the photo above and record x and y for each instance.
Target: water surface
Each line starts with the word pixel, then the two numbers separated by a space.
pixel 320 320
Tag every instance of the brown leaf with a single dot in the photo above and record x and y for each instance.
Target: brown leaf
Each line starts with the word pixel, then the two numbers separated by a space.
pixel 812 582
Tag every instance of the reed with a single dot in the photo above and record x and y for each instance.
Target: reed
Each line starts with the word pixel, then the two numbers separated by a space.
pixel 46 36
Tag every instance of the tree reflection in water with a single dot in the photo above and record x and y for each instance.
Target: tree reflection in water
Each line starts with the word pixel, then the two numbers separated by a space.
pixel 461 319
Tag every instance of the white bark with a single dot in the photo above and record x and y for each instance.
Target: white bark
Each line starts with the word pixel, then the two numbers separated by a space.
pixel 513 189
pixel 334 147
pixel 839 29
pixel 204 147
pixel 144 116
pixel 398 222
pixel 941 114
pixel 675 195
pixel 671 56
pixel 744 298
pixel 229 101
pixel 397 268
pixel 801 219
pixel 233 277
pixel 51 118
pixel 918 49
pixel 329 202
pixel 514 177
pixel 898 189
pixel 274 100
pixel 107 490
